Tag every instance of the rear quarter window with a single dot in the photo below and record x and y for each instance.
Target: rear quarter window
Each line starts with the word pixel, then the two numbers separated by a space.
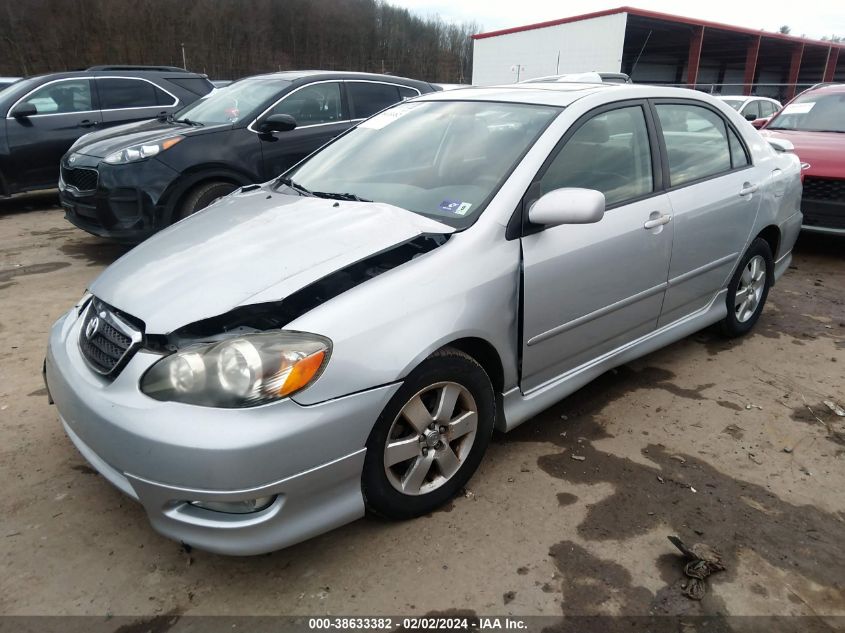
pixel 198 85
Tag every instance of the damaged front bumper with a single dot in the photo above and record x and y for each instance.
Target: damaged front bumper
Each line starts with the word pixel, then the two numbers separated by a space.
pixel 167 455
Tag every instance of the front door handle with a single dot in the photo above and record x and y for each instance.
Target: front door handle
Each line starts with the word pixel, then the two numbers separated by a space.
pixel 748 189
pixel 659 221
pixel 87 123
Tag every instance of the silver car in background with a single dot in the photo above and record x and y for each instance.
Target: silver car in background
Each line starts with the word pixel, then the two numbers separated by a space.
pixel 347 337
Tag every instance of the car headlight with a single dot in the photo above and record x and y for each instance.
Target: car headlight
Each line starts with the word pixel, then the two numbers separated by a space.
pixel 243 371
pixel 141 151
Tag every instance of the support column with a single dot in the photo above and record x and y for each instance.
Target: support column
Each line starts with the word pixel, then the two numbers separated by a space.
pixel 830 66
pixel 694 59
pixel 751 65
pixel 794 69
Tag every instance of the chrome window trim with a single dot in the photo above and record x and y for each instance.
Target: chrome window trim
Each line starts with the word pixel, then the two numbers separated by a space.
pixel 54 81
pixel 167 92
pixel 326 81
pixel 295 90
pixel 375 81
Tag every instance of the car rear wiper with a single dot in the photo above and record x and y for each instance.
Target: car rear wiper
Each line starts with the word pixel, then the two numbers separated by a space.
pixel 339 196
pixel 189 122
pixel 293 185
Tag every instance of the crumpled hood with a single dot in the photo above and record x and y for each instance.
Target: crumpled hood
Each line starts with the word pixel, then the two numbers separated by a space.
pixel 823 151
pixel 103 142
pixel 250 247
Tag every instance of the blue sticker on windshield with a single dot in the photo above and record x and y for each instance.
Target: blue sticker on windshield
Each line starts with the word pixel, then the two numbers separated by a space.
pixel 456 206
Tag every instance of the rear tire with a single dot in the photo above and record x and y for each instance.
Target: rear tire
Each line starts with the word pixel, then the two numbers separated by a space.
pixel 203 195
pixel 430 438
pixel 748 289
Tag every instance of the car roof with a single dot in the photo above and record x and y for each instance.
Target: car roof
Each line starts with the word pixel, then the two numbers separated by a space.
pixel 294 75
pixel 70 74
pixel 744 98
pixel 561 94
pixel 826 88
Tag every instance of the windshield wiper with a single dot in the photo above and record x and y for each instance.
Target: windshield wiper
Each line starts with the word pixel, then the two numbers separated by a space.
pixel 339 196
pixel 187 121
pixel 302 191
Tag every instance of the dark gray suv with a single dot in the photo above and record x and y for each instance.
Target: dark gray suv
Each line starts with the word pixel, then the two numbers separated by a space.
pixel 44 115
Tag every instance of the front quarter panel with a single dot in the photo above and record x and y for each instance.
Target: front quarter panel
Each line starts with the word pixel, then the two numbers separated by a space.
pixel 385 327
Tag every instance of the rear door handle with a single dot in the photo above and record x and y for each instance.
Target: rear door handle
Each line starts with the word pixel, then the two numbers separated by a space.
pixel 748 189
pixel 87 123
pixel 655 222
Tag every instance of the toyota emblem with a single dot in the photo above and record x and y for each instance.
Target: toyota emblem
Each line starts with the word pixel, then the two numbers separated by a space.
pixel 92 327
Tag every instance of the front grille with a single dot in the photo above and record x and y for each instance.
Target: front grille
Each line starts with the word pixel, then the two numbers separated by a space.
pixel 106 340
pixel 80 178
pixel 824 189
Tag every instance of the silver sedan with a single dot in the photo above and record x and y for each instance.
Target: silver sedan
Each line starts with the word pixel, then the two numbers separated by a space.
pixel 347 337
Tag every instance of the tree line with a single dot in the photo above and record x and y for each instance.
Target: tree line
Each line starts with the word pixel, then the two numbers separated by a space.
pixel 228 39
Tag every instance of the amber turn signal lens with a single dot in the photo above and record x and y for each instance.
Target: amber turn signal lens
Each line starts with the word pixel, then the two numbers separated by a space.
pixel 168 143
pixel 302 373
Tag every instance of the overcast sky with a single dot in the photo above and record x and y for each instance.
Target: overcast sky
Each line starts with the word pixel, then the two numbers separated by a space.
pixel 813 18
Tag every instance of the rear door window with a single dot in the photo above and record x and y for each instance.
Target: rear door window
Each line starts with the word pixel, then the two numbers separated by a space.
pixel 696 142
pixel 116 94
pixel 367 98
pixel 767 108
pixel 408 93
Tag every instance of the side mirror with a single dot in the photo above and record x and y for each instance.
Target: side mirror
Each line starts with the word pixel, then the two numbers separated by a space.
pixel 277 123
pixel 24 110
pixel 780 144
pixel 568 206
pixel 758 123
pixel 750 116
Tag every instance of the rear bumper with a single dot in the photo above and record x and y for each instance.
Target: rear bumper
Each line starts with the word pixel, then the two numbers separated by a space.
pixel 167 454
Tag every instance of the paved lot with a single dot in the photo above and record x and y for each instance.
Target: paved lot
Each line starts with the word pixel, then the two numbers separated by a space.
pixel 727 443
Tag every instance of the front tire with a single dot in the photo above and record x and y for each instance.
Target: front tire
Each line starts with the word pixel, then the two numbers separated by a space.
pixel 748 289
pixel 430 438
pixel 203 195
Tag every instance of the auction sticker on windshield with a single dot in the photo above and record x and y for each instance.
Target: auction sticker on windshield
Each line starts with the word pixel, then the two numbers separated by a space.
pixel 798 108
pixel 386 118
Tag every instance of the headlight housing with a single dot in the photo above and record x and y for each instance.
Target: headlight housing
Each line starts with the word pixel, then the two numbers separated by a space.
pixel 243 371
pixel 141 151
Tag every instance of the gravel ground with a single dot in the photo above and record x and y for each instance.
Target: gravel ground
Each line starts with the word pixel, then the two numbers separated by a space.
pixel 722 442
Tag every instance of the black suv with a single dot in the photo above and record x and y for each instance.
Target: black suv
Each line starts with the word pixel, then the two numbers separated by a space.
pixel 44 115
pixel 129 182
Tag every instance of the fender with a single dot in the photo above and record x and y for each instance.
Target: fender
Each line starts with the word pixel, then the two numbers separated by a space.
pixel 190 178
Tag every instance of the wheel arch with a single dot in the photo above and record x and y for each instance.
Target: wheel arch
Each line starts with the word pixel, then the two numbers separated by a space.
pixel 197 176
pixel 485 355
pixel 771 234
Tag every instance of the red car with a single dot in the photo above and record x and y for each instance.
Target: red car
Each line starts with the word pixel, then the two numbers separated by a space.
pixel 814 122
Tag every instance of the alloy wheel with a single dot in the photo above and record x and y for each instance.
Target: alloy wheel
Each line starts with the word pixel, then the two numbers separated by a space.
pixel 431 438
pixel 752 283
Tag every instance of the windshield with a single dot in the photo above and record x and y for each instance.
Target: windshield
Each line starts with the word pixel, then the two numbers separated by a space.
pixel 813 112
pixel 734 103
pixel 19 87
pixel 441 159
pixel 241 100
